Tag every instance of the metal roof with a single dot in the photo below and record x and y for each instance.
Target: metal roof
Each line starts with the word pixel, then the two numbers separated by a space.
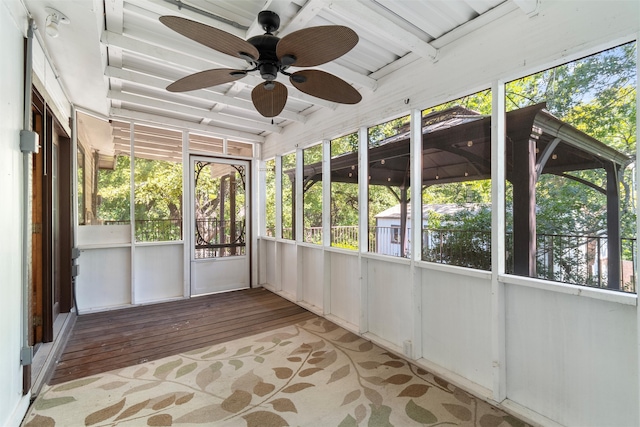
pixel 456 147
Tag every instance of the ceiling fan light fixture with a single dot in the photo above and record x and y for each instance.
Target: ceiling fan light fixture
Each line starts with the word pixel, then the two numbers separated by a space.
pixel 268 71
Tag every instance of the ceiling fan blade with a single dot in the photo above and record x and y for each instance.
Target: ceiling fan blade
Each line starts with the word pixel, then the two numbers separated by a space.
pixel 269 102
pixel 211 37
pixel 326 86
pixel 317 45
pixel 206 78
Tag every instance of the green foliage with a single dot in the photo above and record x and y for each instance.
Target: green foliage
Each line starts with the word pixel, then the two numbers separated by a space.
pixel 312 193
pixel 386 130
pixel 270 198
pixel 158 189
pixel 288 195
pixel 479 102
pixel 344 144
pixel 114 191
pixel 344 196
pixel 462 239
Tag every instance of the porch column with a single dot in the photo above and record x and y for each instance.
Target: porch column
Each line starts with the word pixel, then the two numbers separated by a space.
pixel 403 221
pixel 613 228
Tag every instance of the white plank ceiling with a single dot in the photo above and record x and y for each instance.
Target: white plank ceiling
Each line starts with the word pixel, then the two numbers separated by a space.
pixel 116 58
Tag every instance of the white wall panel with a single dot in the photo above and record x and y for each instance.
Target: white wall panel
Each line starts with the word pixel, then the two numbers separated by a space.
pixel 289 259
pixel 456 324
pixel 104 280
pixel 271 266
pixel 312 275
pixel 572 359
pixel 261 255
pixel 48 83
pixel 158 273
pixel 345 287
pixel 390 307
pixel 90 235
pixel 12 404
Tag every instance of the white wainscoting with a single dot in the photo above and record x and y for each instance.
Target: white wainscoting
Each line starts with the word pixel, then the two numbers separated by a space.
pixel 456 322
pixel 312 275
pixel 105 278
pixel 158 272
pixel 287 253
pixel 344 286
pixel 389 299
pixel 572 358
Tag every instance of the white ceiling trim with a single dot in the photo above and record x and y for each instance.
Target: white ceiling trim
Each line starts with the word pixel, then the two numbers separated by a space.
pixel 530 7
pixel 161 7
pixel 155 120
pixel 385 27
pixel 144 79
pixel 196 113
pixel 309 11
pixel 475 24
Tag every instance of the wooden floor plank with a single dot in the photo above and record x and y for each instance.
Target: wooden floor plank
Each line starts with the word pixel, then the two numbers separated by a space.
pixel 159 337
pixel 116 339
pixel 149 322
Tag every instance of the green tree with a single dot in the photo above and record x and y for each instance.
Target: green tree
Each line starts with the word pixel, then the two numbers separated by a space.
pixel 312 215
pixel 270 198
pixel 113 191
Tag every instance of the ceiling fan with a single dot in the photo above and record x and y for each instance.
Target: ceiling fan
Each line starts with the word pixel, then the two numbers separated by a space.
pixel 271 55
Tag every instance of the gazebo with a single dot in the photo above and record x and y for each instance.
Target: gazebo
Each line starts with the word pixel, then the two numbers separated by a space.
pixel 456 147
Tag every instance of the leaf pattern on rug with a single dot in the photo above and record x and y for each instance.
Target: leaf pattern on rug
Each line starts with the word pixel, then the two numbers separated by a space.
pixel 77 383
pixel 132 410
pixel 44 404
pixel 104 413
pixel 313 373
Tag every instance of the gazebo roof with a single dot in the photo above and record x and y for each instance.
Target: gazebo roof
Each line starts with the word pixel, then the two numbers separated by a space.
pixel 456 147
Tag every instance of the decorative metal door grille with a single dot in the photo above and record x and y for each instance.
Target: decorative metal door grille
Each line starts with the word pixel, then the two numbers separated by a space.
pixel 220 197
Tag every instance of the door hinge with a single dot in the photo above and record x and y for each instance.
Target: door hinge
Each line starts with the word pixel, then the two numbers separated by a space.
pixel 37 320
pixel 36 228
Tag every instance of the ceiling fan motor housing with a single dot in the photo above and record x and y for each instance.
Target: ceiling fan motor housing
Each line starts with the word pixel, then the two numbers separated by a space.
pixel 268 62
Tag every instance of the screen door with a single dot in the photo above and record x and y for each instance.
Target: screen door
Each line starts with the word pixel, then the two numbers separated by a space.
pixel 220 250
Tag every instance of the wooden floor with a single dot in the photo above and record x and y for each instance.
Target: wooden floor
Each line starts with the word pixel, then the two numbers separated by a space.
pixel 116 339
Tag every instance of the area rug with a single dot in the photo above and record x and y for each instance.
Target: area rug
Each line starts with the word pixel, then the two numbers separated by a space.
pixel 310 374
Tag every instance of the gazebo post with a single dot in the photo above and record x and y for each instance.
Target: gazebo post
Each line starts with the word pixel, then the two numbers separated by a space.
pixel 613 227
pixel 524 207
